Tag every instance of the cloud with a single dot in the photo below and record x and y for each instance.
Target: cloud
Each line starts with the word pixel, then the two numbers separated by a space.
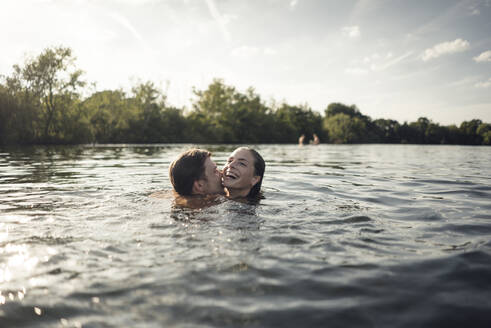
pixel 483 85
pixel 355 71
pixel 270 51
pixel 245 52
pixel 351 31
pixel 390 62
pixel 483 57
pixel 221 21
pixel 445 48
pixel 376 56
pixel 378 62
pixel 474 10
pixel 293 4
pixel 126 23
pixel 135 2
pixel 462 82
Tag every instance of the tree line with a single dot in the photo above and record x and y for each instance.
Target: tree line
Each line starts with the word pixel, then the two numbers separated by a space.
pixel 46 101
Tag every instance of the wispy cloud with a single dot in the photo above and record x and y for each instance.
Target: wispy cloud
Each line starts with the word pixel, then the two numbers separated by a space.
pixel 373 57
pixel 483 85
pixel 377 62
pixel 270 51
pixel 361 7
pixel 390 62
pixel 219 19
pixel 462 82
pixel 136 2
pixel 356 71
pixel 445 17
pixel 126 24
pixel 248 51
pixel 445 48
pixel 293 4
pixel 483 57
pixel 245 51
pixel 475 8
pixel 351 31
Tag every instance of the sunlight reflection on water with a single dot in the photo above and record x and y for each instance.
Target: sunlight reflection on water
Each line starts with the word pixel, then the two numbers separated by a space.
pixel 361 229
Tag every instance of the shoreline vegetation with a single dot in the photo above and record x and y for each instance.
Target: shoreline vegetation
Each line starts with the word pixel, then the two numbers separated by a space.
pixel 42 102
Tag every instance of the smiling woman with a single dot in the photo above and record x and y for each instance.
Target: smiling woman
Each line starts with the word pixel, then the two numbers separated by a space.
pixel 243 173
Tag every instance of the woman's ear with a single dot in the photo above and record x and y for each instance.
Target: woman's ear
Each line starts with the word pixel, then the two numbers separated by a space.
pixel 255 179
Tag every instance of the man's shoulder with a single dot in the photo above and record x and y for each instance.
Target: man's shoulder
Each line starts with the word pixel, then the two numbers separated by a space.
pixel 198 201
pixel 163 194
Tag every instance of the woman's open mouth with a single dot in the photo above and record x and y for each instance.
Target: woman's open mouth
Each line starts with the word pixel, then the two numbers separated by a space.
pixel 231 175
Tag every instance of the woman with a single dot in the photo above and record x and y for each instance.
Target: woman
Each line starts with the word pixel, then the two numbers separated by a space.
pixel 243 174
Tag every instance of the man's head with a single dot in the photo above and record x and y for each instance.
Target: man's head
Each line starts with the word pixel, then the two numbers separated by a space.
pixel 194 173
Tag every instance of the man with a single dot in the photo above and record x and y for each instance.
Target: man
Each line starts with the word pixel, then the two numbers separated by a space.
pixel 194 173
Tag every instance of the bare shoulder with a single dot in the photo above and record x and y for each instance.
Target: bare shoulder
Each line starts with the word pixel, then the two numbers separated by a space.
pixel 163 194
pixel 199 201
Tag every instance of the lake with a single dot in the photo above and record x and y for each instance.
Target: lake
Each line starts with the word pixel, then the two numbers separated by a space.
pixel 347 235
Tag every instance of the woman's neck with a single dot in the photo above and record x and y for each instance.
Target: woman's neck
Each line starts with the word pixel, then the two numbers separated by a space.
pixel 237 193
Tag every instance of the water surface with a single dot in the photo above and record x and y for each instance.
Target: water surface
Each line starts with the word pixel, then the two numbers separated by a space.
pixel 359 235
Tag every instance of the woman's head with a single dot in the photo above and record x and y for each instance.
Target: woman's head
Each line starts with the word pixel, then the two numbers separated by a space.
pixel 243 173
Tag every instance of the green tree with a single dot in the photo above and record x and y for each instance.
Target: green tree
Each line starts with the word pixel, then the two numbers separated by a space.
pixel 355 127
pixel 343 128
pixel 109 115
pixel 52 82
pixel 469 131
pixel 149 103
pixel 484 131
pixel 174 125
pixel 293 121
pixel 453 135
pixel 211 107
pixel 435 134
pixel 339 108
pixel 388 130
pixel 419 128
pixel 225 115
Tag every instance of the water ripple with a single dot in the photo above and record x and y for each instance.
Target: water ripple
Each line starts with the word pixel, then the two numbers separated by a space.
pixel 360 235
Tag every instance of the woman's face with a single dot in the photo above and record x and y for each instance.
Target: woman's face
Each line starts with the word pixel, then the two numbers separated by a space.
pixel 238 173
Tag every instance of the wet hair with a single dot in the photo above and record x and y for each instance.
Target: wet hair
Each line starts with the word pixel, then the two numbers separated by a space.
pixel 186 169
pixel 259 167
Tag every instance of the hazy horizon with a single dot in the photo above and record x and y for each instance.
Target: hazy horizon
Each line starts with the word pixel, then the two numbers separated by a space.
pixel 392 59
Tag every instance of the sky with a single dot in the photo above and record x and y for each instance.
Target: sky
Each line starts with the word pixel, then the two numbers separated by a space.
pixel 393 59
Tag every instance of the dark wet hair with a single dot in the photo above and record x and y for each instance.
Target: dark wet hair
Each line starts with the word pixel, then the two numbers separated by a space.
pixel 187 168
pixel 259 167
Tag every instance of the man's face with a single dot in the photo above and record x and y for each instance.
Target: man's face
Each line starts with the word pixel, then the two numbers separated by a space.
pixel 213 178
